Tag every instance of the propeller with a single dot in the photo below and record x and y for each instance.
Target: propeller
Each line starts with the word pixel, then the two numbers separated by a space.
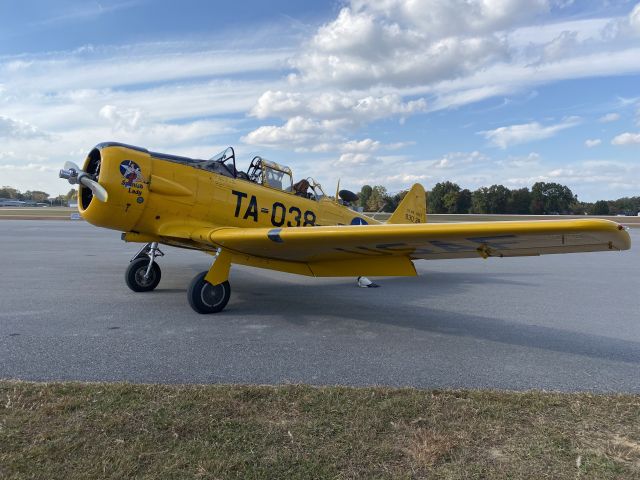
pixel 74 174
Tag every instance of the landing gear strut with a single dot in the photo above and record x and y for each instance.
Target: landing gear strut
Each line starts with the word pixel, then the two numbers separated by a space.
pixel 143 273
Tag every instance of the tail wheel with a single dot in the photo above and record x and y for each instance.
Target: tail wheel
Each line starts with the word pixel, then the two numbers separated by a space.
pixel 207 298
pixel 137 278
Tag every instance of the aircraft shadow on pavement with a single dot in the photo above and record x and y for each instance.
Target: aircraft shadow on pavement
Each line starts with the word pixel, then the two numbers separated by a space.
pixel 306 303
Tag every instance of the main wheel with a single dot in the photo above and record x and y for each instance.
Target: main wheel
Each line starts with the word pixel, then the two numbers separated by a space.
pixel 135 275
pixel 207 298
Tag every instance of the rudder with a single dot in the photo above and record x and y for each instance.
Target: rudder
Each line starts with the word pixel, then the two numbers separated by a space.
pixel 412 208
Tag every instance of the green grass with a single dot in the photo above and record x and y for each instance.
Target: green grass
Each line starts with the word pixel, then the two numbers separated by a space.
pixel 79 431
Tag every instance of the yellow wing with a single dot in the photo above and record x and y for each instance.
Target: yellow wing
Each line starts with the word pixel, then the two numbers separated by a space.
pixel 388 249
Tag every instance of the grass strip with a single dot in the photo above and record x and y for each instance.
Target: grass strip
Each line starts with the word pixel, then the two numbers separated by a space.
pixel 97 430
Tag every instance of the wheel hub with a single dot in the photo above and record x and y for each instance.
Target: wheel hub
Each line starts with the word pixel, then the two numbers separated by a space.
pixel 142 279
pixel 212 295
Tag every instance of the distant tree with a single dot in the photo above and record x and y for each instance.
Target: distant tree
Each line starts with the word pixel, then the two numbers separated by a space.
pixel 463 203
pixel 36 196
pixel 71 195
pixel 392 201
pixel 601 207
pixel 456 201
pixel 480 200
pixel 582 208
pixel 627 205
pixel 364 195
pixel 450 201
pixel 519 201
pixel 59 200
pixel 498 197
pixel 551 198
pixel 436 198
pixel 10 192
pixel 377 199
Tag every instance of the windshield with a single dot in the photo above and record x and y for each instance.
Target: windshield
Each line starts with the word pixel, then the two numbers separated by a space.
pixel 224 155
pixel 317 189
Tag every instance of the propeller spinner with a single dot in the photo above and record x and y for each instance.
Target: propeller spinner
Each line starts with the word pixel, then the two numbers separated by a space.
pixel 74 174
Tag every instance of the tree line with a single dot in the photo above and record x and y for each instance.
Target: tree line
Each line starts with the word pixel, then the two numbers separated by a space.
pixel 445 197
pixel 37 196
pixel 543 198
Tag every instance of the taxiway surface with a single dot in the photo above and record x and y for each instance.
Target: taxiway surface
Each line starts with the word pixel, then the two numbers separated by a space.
pixel 560 322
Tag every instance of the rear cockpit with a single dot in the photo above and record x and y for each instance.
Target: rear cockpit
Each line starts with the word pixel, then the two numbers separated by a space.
pixel 270 174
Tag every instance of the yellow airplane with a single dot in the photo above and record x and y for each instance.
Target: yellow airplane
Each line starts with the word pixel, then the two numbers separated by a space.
pixel 262 219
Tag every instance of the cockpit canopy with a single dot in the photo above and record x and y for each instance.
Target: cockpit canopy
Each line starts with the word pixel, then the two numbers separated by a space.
pixel 261 171
pixel 270 174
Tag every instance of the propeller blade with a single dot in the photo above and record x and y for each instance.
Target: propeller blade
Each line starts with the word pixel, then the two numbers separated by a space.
pixel 98 190
pixel 74 174
pixel 71 165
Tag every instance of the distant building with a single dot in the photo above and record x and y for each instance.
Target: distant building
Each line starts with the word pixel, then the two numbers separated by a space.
pixel 10 202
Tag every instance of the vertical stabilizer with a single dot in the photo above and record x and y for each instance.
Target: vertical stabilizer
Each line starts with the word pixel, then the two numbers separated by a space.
pixel 412 208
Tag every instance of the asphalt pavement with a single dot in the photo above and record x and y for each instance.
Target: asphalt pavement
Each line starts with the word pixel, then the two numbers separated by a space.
pixel 559 322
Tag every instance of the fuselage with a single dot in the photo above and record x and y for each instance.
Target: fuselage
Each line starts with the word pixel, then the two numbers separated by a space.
pixel 158 197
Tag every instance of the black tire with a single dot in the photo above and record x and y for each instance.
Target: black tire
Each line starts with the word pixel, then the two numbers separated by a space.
pixel 134 276
pixel 207 298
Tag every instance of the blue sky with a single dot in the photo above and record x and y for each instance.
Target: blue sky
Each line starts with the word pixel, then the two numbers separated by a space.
pixel 388 92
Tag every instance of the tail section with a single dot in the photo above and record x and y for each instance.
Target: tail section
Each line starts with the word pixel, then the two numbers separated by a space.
pixel 412 208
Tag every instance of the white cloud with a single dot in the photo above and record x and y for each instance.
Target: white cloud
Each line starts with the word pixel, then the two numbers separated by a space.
pixel 313 120
pixel 171 135
pixel 17 129
pixel 634 18
pixel 609 117
pixel 295 132
pixel 29 167
pixel 592 174
pixel 405 179
pixel 560 46
pixel 455 17
pixel 529 161
pixel 458 160
pixel 121 118
pixel 359 49
pixel 353 159
pixel 590 143
pixel 502 78
pixel 589 30
pixel 152 63
pixel 504 137
pixel 411 43
pixel 88 11
pixel 626 139
pixel 366 145
pixel 278 104
pixel 334 105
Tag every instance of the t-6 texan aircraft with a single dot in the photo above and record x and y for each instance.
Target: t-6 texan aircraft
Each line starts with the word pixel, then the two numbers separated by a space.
pixel 262 219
